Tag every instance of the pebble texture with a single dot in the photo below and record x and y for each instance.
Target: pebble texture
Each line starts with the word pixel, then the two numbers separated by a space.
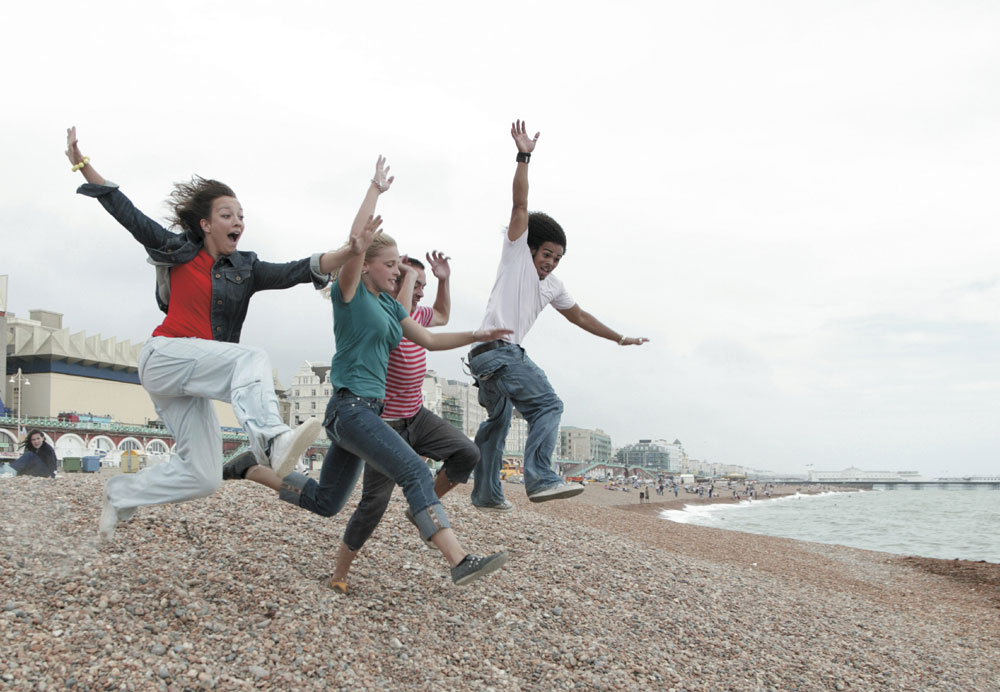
pixel 230 593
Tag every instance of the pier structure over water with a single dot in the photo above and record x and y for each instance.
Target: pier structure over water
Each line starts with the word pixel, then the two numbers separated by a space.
pixel 967 483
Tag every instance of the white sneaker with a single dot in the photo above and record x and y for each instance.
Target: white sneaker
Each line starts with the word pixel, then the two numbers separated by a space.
pixel 558 491
pixel 288 447
pixel 109 520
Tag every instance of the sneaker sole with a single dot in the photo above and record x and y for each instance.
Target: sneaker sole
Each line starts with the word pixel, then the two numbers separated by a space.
pixel 303 441
pixel 494 508
pixel 489 568
pixel 561 495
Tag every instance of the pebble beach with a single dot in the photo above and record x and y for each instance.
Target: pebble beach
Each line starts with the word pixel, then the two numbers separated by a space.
pixel 230 593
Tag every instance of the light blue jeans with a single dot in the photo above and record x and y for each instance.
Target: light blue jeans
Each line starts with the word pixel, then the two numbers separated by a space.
pixel 182 377
pixel 508 379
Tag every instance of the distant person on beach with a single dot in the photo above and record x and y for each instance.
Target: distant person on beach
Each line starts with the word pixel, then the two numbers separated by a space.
pixel 368 323
pixel 204 285
pixel 506 376
pixel 38 458
pixel 428 434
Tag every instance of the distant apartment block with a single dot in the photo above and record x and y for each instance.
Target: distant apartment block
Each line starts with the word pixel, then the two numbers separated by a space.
pixel 309 392
pixel 653 454
pixel 584 444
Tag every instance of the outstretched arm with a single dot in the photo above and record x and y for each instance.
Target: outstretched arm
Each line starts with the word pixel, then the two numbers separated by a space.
pixel 442 303
pixel 519 213
pixel 432 341
pixel 364 228
pixel 79 161
pixel 584 320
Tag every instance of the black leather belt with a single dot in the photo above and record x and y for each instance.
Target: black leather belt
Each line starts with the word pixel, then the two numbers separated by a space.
pixel 484 347
pixel 396 424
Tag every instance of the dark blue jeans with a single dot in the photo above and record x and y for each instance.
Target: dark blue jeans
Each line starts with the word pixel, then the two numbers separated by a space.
pixel 358 435
pixel 429 436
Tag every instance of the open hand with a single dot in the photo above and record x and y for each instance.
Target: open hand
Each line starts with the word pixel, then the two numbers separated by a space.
pixel 73 146
pixel 382 179
pixel 360 242
pixel 439 265
pixel 634 341
pixel 525 144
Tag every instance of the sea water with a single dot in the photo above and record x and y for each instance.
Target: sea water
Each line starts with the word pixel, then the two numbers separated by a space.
pixel 947 524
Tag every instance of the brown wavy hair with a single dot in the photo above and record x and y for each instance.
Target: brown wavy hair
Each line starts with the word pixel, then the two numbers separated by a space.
pixel 192 201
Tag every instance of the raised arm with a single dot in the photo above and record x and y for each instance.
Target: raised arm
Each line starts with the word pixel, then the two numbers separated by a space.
pixel 441 270
pixel 148 232
pixel 584 320
pixel 79 161
pixel 432 341
pixel 407 282
pixel 364 228
pixel 519 213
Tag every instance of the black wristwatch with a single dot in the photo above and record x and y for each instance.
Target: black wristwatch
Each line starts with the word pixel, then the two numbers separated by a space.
pixel 523 157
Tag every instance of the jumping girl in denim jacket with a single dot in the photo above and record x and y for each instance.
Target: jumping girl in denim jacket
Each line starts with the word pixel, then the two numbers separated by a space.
pixel 204 286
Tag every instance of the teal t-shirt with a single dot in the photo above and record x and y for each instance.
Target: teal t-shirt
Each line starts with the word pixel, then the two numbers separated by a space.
pixel 365 330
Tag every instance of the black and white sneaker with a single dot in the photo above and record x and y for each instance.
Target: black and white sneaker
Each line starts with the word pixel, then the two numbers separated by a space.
pixel 474 567
pixel 236 468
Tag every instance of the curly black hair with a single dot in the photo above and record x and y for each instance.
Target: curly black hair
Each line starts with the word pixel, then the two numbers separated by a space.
pixel 542 228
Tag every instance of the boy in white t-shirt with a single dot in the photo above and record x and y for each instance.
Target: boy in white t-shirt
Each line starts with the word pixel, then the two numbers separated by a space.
pixel 507 378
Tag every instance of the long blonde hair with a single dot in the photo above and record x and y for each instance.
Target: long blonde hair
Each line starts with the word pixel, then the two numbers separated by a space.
pixel 379 243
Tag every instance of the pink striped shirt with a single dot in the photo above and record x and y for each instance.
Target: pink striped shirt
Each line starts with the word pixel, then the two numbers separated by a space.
pixel 404 379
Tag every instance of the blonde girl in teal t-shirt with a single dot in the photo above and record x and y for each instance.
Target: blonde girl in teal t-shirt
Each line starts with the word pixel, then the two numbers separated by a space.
pixel 368 323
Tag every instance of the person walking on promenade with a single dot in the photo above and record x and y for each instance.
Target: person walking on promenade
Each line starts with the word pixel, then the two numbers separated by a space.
pixel 368 323
pixel 506 376
pixel 204 285
pixel 428 434
pixel 38 459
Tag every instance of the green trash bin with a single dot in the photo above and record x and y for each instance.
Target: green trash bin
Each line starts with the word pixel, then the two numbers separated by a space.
pixel 71 464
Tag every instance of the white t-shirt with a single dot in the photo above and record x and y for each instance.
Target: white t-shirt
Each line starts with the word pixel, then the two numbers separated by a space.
pixel 518 296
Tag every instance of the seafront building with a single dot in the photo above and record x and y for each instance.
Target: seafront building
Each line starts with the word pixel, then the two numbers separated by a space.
pixel 654 455
pixel 91 378
pixel 584 444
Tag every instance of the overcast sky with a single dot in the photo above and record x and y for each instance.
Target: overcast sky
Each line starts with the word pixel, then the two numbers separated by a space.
pixel 795 201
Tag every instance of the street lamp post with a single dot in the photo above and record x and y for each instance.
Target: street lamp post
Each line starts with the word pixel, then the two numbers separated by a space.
pixel 19 381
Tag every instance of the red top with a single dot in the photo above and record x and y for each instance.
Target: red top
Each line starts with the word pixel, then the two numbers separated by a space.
pixel 190 309
pixel 404 379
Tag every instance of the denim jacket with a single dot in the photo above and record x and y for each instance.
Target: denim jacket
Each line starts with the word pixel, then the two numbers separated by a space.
pixel 235 277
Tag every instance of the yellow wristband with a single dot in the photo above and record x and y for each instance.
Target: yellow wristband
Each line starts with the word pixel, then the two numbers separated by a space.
pixel 79 166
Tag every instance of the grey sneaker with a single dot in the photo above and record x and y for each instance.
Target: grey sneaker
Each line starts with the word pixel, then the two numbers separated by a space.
pixel 502 506
pixel 474 567
pixel 286 449
pixel 409 517
pixel 559 491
